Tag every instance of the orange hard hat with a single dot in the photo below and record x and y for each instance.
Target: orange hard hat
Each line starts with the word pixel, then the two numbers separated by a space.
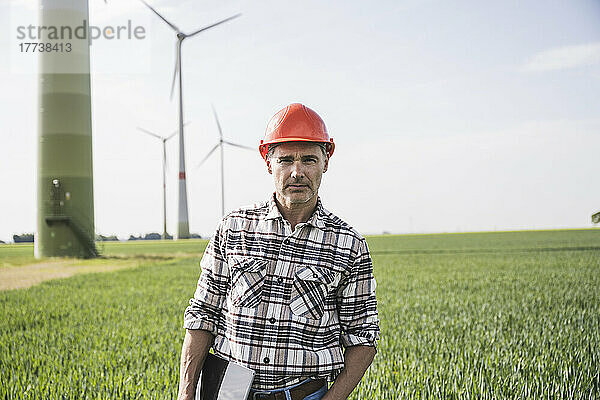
pixel 295 123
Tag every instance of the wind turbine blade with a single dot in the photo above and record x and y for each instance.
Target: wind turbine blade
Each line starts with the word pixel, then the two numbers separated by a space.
pixel 150 133
pixel 213 25
pixel 175 132
pixel 218 124
pixel 176 71
pixel 161 17
pixel 241 146
pixel 208 155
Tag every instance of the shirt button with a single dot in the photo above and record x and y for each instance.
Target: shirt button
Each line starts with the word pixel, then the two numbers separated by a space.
pixel 315 276
pixel 266 360
pixel 280 279
pixel 272 320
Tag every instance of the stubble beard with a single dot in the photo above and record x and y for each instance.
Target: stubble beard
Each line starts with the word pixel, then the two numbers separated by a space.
pixel 297 197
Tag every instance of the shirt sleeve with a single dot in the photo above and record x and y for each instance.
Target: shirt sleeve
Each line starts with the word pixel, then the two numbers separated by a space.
pixel 356 302
pixel 205 308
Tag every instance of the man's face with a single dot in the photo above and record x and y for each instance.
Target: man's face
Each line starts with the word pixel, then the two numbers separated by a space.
pixel 297 168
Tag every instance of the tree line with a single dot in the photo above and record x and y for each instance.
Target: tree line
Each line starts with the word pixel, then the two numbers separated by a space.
pixel 28 237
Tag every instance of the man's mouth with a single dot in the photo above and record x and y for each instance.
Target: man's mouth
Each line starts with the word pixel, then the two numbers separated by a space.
pixel 296 186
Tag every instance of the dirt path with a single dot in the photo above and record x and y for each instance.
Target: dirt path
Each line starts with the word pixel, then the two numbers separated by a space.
pixel 28 275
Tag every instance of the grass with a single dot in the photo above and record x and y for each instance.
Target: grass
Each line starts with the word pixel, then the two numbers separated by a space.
pixel 21 254
pixel 488 326
pixel 111 336
pixel 488 242
pixel 178 248
pixel 489 315
pixel 16 254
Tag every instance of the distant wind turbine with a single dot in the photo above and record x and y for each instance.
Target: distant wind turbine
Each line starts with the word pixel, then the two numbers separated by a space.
pixel 183 229
pixel 164 168
pixel 220 146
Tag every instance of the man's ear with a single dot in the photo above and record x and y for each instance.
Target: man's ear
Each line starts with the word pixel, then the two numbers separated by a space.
pixel 326 164
pixel 269 166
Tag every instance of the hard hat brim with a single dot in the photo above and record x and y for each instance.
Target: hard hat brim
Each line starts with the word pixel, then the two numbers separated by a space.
pixel 263 148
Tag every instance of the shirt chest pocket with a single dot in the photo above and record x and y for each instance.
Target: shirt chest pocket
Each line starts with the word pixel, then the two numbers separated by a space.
pixel 247 280
pixel 309 291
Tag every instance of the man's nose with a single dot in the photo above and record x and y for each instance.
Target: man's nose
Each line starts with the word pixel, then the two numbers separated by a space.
pixel 297 171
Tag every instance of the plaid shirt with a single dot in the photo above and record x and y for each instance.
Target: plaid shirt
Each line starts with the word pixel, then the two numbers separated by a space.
pixel 285 303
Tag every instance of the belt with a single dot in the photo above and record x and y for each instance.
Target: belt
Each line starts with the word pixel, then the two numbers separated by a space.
pixel 297 393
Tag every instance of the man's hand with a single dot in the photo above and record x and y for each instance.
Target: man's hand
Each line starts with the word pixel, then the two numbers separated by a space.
pixel 193 352
pixel 356 361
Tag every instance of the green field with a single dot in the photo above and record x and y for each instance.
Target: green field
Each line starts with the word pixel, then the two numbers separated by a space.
pixel 22 253
pixel 486 315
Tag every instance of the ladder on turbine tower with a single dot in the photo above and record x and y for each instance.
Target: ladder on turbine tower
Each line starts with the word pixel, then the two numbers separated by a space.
pixel 58 216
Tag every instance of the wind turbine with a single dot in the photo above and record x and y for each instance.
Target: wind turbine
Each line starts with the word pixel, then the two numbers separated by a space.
pixel 183 229
pixel 164 168
pixel 220 146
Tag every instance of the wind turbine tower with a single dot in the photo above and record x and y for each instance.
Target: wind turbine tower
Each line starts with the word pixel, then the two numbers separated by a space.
pixel 183 229
pixel 164 169
pixel 220 146
pixel 65 202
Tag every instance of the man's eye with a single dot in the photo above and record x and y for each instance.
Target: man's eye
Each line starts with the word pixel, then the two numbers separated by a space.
pixel 285 161
pixel 310 161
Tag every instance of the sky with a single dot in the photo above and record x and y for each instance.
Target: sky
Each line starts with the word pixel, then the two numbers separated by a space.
pixel 447 116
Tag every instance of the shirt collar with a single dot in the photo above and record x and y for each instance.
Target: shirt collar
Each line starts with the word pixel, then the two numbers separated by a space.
pixel 273 210
pixel 315 220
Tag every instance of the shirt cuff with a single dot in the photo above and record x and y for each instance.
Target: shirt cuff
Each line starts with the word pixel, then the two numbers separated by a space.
pixel 369 339
pixel 201 323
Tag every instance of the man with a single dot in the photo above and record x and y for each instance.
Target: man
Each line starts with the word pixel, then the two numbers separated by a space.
pixel 285 284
